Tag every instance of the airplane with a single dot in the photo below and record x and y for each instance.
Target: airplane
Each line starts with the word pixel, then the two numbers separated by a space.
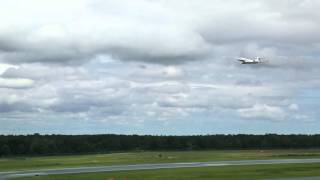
pixel 250 61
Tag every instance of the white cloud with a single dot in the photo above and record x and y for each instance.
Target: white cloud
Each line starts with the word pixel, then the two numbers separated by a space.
pixel 172 71
pixel 4 67
pixel 75 34
pixel 15 83
pixel 294 107
pixel 263 111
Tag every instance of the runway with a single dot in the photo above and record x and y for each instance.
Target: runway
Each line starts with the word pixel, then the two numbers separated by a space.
pixel 300 178
pixel 14 174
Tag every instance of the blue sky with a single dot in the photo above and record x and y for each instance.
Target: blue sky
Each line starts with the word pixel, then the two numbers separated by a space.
pixel 159 67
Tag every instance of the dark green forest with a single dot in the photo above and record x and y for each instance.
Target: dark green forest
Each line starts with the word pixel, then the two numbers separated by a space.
pixel 13 145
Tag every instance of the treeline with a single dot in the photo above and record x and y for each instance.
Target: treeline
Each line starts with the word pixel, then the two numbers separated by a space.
pixel 12 145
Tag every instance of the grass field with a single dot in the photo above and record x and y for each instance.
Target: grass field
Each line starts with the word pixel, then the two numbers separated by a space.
pixel 48 162
pixel 253 172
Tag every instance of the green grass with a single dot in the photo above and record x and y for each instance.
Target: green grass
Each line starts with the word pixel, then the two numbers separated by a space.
pixel 48 162
pixel 253 172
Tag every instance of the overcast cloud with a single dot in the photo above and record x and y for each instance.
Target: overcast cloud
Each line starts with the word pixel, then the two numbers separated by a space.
pixel 159 67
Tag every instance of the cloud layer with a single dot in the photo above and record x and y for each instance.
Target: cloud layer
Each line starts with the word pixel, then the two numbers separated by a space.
pixel 148 64
pixel 75 32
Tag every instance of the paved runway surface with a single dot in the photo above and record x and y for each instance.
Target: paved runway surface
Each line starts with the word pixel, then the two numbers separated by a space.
pixel 12 174
pixel 300 178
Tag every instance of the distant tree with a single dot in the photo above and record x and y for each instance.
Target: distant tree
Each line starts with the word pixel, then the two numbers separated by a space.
pixel 5 150
pixel 74 144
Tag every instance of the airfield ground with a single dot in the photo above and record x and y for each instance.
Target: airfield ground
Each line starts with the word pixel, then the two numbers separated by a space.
pixel 253 172
pixel 226 172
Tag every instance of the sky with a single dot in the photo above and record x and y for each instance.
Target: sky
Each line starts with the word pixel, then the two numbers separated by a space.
pixel 160 67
